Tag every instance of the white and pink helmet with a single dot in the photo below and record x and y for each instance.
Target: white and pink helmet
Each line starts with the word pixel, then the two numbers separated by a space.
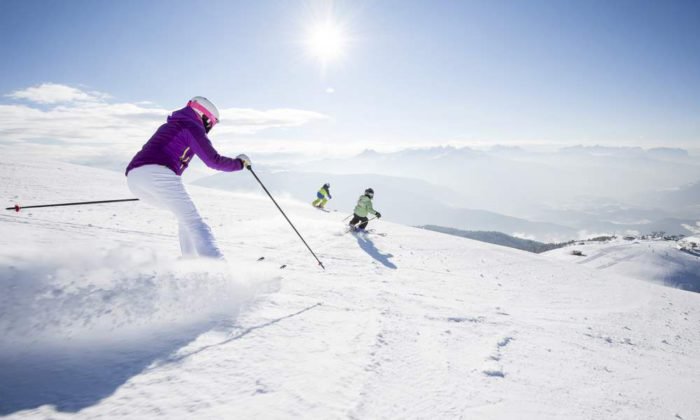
pixel 206 110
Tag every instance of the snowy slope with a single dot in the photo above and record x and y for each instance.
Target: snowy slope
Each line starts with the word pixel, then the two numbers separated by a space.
pixel 98 319
pixel 651 260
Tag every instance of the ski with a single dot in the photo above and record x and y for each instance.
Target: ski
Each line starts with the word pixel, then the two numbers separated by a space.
pixel 365 232
pixel 374 232
pixel 325 210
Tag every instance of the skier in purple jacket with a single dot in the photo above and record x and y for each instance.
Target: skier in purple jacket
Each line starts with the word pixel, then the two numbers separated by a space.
pixel 153 175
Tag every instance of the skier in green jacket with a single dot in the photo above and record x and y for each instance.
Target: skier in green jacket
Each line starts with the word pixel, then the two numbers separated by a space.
pixel 362 209
pixel 322 196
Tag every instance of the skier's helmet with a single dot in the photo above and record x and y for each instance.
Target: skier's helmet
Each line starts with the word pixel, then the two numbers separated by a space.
pixel 206 110
pixel 369 192
pixel 327 185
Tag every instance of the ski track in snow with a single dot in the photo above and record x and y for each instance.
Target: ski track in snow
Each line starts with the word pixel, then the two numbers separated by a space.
pixel 98 320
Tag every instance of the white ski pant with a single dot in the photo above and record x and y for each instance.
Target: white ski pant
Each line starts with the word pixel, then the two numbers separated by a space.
pixel 160 187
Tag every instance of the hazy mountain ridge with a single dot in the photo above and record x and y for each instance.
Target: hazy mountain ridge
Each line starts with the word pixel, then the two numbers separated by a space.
pixel 518 181
pixel 403 200
pixel 551 195
pixel 499 238
pixel 596 189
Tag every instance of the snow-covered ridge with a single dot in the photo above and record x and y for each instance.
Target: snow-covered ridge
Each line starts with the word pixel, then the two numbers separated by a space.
pixel 414 324
pixel 659 261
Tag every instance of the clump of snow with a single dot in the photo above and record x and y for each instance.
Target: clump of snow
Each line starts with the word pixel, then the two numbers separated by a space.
pixel 72 296
pixel 82 321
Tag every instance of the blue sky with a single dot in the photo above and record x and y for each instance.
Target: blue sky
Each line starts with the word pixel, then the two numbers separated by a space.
pixel 414 73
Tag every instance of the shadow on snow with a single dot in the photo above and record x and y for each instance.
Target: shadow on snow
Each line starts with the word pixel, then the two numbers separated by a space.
pixel 72 379
pixel 179 357
pixel 75 379
pixel 368 246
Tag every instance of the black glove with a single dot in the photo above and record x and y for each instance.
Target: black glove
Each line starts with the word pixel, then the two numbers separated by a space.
pixel 378 215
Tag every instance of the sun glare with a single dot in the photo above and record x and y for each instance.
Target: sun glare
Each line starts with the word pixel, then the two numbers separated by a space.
pixel 326 41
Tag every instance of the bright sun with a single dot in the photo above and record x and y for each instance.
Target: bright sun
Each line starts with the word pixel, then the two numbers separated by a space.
pixel 326 41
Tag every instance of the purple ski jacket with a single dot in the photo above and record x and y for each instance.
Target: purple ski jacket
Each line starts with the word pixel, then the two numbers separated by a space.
pixel 177 141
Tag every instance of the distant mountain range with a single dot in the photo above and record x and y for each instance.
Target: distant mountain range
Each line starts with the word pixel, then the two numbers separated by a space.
pixel 546 194
pixel 416 201
pixel 403 200
pixel 523 182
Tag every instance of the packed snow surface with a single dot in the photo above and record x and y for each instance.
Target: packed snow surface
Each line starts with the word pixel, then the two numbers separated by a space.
pixel 99 319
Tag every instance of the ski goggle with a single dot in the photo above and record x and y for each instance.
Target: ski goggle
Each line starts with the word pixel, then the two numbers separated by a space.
pixel 207 124
pixel 212 119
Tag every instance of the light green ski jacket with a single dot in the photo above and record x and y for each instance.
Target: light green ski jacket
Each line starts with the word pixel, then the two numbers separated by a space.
pixel 364 206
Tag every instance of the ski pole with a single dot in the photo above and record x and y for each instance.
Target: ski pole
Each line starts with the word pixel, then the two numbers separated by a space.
pixel 250 168
pixel 17 207
pixel 367 219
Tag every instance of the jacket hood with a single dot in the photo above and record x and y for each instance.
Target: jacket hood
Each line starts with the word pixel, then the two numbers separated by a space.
pixel 185 114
